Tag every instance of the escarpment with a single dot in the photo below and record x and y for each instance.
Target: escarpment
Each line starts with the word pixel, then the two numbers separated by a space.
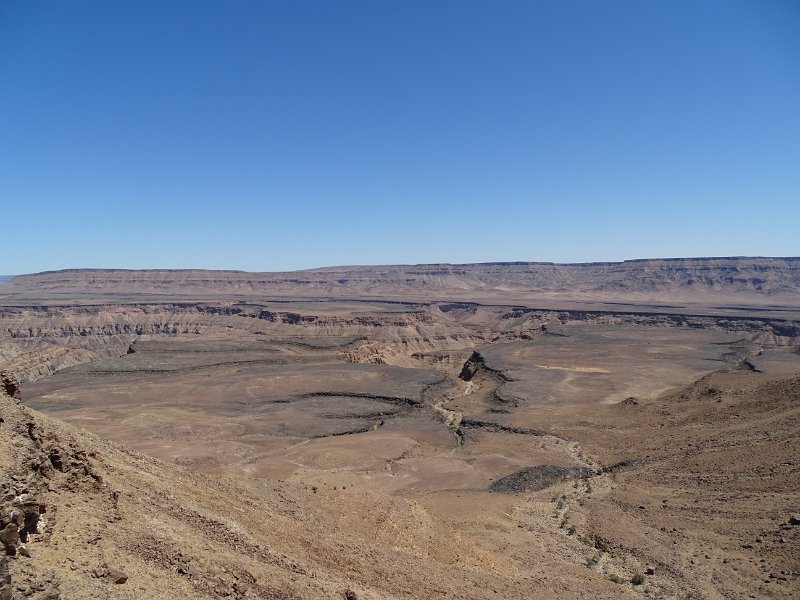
pixel 734 279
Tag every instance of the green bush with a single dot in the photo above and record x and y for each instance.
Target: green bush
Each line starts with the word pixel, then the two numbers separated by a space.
pixel 637 579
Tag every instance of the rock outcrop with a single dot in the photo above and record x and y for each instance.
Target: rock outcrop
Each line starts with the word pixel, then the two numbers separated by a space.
pixel 36 464
pixel 10 385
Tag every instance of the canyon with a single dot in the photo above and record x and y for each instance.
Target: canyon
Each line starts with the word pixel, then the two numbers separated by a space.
pixel 499 430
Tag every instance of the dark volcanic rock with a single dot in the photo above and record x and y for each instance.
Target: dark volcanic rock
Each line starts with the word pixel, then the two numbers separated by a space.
pixel 532 479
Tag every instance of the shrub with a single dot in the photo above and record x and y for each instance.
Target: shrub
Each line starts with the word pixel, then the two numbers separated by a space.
pixel 601 544
pixel 637 579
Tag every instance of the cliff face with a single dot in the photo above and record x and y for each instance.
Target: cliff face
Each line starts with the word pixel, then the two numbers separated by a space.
pixel 685 279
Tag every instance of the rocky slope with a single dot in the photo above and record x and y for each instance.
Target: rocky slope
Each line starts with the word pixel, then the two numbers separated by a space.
pixel 757 280
pixel 712 493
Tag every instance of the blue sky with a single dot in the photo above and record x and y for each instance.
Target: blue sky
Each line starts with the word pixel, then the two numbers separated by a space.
pixel 272 136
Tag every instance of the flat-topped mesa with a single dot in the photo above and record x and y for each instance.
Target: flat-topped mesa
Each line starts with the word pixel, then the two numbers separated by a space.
pixel 728 279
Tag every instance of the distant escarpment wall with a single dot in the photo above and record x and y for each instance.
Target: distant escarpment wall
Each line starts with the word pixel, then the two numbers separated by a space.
pixel 757 279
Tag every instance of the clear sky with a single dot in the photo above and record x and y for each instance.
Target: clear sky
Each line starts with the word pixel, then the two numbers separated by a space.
pixel 284 135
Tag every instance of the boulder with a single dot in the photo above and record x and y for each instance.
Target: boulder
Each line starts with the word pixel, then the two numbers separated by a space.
pixel 116 576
